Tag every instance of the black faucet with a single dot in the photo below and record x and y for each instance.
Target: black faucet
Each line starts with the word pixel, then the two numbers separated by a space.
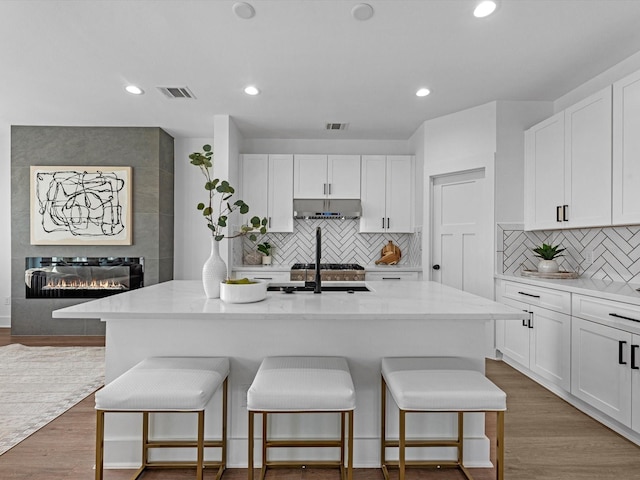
pixel 318 282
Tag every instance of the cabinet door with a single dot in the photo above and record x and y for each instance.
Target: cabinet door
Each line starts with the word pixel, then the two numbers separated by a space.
pixel 254 181
pixel 635 383
pixel 516 336
pixel 373 185
pixel 544 174
pixel 343 176
pixel 280 193
pixel 310 176
pixel 600 373
pixel 399 190
pixel 587 192
pixel 390 276
pixel 626 150
pixel 550 343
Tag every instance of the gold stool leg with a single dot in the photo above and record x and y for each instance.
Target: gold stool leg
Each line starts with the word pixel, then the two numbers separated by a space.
pixel 460 437
pixel 263 470
pixel 350 447
pixel 99 444
pixel 250 442
pixel 200 455
pixel 500 446
pixel 402 445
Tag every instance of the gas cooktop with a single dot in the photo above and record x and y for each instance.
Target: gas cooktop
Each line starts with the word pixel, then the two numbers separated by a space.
pixel 327 266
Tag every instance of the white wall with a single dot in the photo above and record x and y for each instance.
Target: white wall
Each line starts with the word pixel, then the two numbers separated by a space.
pixel 5 221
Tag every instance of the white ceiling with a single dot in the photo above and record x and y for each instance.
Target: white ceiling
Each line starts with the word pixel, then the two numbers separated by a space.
pixel 67 62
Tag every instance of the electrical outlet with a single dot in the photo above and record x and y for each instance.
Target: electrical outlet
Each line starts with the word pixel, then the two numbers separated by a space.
pixel 589 257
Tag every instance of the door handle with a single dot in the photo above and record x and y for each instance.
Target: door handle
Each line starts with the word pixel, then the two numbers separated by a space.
pixel 436 267
pixel 558 213
pixel 388 223
pixel 383 223
pixel 530 321
pixel 621 344
pixel 565 215
pixel 633 357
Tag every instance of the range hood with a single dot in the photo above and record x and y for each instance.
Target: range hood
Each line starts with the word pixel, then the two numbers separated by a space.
pixel 327 208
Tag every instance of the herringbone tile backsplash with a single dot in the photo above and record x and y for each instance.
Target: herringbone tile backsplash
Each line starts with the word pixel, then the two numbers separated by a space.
pixel 601 253
pixel 341 243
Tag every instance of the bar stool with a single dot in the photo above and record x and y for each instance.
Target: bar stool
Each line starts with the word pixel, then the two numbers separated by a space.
pixel 167 385
pixel 417 384
pixel 302 385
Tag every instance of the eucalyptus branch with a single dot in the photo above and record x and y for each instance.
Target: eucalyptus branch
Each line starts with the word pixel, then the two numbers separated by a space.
pixel 204 161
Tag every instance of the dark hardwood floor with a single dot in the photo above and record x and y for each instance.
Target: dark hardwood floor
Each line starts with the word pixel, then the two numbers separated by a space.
pixel 546 439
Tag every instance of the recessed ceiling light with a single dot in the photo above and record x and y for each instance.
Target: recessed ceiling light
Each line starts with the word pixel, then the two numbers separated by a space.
pixel 251 90
pixel 243 10
pixel 362 11
pixel 423 92
pixel 485 8
pixel 134 90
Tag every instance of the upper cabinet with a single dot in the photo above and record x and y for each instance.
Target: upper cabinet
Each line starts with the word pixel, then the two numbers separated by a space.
pixel 626 150
pixel 326 176
pixel 387 194
pixel 568 167
pixel 267 187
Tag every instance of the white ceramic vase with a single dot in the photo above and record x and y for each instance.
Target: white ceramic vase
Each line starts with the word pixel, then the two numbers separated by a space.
pixel 214 271
pixel 548 266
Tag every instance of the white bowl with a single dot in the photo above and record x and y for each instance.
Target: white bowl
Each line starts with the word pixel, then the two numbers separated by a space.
pixel 243 292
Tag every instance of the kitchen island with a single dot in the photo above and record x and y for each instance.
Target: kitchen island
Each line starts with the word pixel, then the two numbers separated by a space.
pixel 393 319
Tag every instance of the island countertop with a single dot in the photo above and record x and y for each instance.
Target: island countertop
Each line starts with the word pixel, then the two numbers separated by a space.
pixel 184 299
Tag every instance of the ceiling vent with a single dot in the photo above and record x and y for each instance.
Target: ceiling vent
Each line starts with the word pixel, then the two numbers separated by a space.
pixel 177 92
pixel 336 126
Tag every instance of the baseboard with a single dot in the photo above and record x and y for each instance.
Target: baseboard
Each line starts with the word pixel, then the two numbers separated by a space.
pixel 5 321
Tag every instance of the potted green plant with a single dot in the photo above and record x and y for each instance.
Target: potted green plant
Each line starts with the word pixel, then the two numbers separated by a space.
pixel 265 249
pixel 548 254
pixel 217 216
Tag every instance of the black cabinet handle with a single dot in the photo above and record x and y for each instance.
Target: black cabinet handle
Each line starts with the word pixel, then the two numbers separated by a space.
pixel 383 223
pixel 388 223
pixel 623 317
pixel 530 321
pixel 621 343
pixel 633 357
pixel 558 210
pixel 524 322
pixel 565 215
pixel 529 294
pixel 436 267
pixel 391 278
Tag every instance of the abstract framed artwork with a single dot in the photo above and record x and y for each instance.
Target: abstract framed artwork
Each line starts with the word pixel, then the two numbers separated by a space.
pixel 81 205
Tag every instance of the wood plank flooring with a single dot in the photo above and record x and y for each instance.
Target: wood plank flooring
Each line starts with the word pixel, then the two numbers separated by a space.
pixel 546 439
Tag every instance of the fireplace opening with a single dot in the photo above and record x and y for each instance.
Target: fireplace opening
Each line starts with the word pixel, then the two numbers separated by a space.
pixel 82 277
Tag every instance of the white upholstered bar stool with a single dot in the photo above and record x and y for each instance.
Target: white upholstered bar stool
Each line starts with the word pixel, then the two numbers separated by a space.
pixel 417 384
pixel 302 385
pixel 167 385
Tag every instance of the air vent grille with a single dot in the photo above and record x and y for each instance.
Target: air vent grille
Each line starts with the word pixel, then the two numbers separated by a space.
pixel 336 126
pixel 177 92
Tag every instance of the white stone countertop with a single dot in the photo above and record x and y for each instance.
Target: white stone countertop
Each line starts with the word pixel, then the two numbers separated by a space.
pixel 185 299
pixel 372 267
pixel 616 291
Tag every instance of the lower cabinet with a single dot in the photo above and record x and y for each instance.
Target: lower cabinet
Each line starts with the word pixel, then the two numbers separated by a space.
pixel 269 276
pixel 542 343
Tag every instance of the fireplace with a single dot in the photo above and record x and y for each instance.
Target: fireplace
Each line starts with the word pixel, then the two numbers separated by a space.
pixel 82 277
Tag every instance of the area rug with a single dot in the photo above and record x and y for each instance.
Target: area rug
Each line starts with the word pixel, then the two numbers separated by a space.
pixel 37 384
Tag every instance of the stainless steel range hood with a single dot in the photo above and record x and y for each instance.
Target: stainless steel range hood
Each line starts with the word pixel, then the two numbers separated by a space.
pixel 323 208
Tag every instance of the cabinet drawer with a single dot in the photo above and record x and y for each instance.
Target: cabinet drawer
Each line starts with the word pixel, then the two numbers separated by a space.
pixel 374 276
pixel 539 296
pixel 606 311
pixel 271 277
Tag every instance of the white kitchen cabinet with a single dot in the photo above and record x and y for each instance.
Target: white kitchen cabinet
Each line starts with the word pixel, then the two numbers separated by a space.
pixel 327 176
pixel 267 275
pixel 568 167
pixel 392 275
pixel 387 194
pixel 267 187
pixel 606 357
pixel 598 376
pixel 626 150
pixel 542 343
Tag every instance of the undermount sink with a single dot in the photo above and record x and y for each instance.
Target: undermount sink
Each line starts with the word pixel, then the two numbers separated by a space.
pixel 328 288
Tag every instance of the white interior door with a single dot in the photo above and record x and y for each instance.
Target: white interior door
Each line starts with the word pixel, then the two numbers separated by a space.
pixel 460 246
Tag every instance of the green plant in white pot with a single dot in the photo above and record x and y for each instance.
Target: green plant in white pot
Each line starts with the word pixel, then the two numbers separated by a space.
pixel 265 250
pixel 548 253
pixel 214 270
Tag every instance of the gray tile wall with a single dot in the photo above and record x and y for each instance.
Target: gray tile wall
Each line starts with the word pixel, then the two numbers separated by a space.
pixel 611 253
pixel 149 151
pixel 341 243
